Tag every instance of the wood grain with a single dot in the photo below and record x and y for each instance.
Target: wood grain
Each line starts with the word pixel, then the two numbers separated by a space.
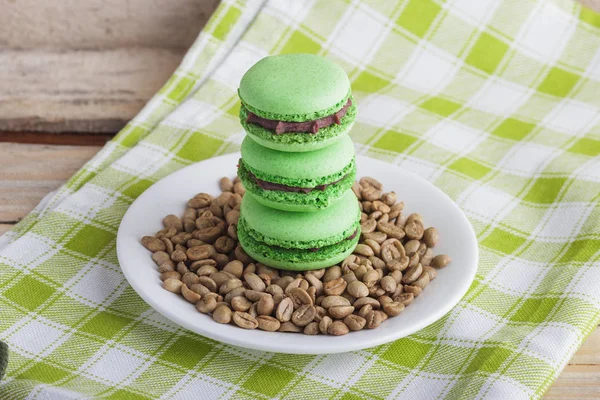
pixel 89 66
pixel 29 171
pixel 79 91
pixel 102 24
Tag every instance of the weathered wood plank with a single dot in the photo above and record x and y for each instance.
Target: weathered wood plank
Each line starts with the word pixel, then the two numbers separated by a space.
pixel 589 352
pixel 79 91
pixel 74 138
pixel 5 228
pixel 576 382
pixel 29 171
pixel 102 24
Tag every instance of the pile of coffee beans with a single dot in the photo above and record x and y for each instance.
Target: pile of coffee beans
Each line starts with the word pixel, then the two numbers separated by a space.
pixel 199 257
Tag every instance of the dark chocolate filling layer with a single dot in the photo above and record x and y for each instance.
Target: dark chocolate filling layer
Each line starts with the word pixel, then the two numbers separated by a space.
pixel 313 126
pixel 285 188
pixel 314 249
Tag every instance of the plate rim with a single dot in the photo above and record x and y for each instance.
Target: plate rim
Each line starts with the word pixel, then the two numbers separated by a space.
pixel 273 346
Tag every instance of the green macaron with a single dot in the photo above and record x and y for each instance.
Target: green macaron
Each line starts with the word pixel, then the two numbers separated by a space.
pixel 296 102
pixel 308 181
pixel 299 240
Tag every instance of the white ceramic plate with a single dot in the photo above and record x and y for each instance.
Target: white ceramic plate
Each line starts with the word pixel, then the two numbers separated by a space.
pixel 169 196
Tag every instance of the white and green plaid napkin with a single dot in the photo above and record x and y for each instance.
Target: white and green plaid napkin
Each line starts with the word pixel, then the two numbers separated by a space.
pixel 495 102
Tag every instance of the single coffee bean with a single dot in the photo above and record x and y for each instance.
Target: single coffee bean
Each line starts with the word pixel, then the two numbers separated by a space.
pixel 161 257
pixel 366 300
pixel 289 327
pixel 244 320
pixel 414 217
pixel 225 184
pixel 304 315
pixel 232 217
pixel 413 260
pixel 299 296
pixel 338 328
pixel 431 272
pixel 324 324
pixel 368 226
pixel 340 312
pixel 153 244
pixel 206 305
pixel 335 287
pixel 349 277
pixel 198 253
pixel 321 312
pixel 252 311
pixel 391 230
pixel 265 305
pixel 415 290
pixel 254 282
pixel 189 294
pixel 370 278
pixel 365 310
pixel 284 310
pixel 267 323
pixel 412 274
pixel 189 278
pixel 254 295
pixel 208 282
pixel 172 285
pixel 296 283
pixel 384 299
pixel 241 255
pixel 388 284
pixel 224 244
pixel 273 290
pixel 427 258
pixel 170 275
pixel 422 281
pixel 333 301
pixel 332 273
pixel 232 232
pixel 200 200
pixel 240 303
pixel 315 282
pixel 222 314
pixel 374 319
pixel 367 181
pixel 394 308
pixel 355 322
pixel 240 291
pixel 363 250
pixel 405 298
pixel 439 261
pixel 200 289
pixel 358 289
pixel 312 329
pixel 166 267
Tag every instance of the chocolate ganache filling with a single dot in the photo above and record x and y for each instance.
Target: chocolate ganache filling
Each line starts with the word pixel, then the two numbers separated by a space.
pixel 307 126
pixel 285 188
pixel 315 249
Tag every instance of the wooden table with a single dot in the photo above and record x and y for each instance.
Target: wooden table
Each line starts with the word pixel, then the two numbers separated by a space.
pixel 50 125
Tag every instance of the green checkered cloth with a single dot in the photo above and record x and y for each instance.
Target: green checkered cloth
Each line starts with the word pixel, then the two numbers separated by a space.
pixel 495 102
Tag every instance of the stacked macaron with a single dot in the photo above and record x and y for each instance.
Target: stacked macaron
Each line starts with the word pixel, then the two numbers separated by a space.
pixel 297 163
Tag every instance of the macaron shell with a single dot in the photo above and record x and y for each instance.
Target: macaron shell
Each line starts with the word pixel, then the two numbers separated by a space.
pixel 299 142
pixel 294 87
pixel 274 259
pixel 298 202
pixel 307 168
pixel 297 229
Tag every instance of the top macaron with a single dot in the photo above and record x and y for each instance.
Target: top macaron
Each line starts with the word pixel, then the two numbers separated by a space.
pixel 296 102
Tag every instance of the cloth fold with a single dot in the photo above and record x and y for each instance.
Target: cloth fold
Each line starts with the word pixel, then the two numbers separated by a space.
pixel 496 105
